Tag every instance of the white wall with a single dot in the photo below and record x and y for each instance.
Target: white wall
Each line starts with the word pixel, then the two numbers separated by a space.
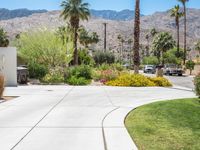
pixel 8 65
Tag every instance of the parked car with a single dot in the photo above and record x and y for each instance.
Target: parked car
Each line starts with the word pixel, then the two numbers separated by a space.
pixel 149 69
pixel 172 69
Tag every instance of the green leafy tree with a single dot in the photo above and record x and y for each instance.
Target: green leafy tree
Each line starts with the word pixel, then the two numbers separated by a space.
pixel 74 11
pixel 175 12
pixel 161 44
pixel 151 60
pixel 4 41
pixel 190 65
pixel 185 28
pixel 136 57
pixel 170 57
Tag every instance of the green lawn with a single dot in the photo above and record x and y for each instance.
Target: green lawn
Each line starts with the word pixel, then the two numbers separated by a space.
pixel 169 125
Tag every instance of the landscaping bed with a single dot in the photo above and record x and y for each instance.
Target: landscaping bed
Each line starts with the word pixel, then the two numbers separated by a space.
pixel 169 125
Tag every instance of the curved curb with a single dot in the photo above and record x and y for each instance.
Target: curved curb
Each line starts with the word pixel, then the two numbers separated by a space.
pixel 111 143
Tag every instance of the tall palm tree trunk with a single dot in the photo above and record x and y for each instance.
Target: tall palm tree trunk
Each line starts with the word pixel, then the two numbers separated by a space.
pixel 137 37
pixel 75 60
pixel 185 34
pixel 178 38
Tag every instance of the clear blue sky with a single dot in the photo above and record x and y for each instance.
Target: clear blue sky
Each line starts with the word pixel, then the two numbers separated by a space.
pixel 147 6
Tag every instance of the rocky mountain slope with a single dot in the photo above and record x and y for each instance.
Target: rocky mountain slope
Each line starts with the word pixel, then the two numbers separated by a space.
pixel 6 14
pixel 160 20
pixel 123 15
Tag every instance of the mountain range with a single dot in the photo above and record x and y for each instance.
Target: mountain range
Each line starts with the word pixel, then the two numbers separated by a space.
pixel 161 21
pixel 123 15
pixel 6 14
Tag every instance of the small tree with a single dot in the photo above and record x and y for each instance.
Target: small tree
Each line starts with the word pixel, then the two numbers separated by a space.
pixel 197 85
pixel 4 41
pixel 190 65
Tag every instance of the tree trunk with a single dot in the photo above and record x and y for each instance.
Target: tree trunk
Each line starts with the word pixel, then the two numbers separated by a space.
pixel 178 39
pixel 75 60
pixel 185 34
pixel 137 37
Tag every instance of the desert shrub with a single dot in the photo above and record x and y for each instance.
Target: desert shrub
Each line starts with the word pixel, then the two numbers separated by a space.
pixel 197 84
pixel 78 81
pixel 104 75
pixel 104 57
pixel 79 74
pixel 1 85
pixel 44 47
pixel 85 58
pixel 54 76
pixel 133 80
pixel 117 66
pixel 104 66
pixel 80 71
pixel 37 71
pixel 160 81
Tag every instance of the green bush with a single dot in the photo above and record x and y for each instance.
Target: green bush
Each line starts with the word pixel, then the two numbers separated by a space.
pixel 104 57
pixel 85 58
pixel 78 81
pixel 79 75
pixel 197 84
pixel 54 76
pixel 37 71
pixel 151 60
pixel 80 71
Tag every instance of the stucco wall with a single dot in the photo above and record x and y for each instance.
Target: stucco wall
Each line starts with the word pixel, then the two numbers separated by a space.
pixel 8 65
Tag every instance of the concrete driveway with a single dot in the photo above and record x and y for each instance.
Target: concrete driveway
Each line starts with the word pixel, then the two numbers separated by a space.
pixel 73 118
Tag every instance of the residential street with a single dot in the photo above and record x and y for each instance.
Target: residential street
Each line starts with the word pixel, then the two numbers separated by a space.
pixel 74 118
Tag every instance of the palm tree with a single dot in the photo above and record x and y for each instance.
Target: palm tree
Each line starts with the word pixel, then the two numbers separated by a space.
pixel 147 47
pixel 136 56
pixel 130 41
pixel 175 12
pixel 74 11
pixel 153 32
pixel 161 44
pixel 185 28
pixel 120 39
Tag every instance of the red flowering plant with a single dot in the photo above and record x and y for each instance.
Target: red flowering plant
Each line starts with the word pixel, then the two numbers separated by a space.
pixel 105 75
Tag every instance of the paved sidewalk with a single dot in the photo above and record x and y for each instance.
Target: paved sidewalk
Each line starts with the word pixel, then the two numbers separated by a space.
pixel 74 118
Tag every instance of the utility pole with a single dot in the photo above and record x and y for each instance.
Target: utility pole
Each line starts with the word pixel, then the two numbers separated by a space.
pixel 105 36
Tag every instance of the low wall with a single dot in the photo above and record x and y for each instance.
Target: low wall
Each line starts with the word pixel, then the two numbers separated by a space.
pixel 8 65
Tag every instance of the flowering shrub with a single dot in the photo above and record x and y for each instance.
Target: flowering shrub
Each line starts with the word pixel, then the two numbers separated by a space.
pixel 160 81
pixel 132 80
pixel 54 76
pixel 105 75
